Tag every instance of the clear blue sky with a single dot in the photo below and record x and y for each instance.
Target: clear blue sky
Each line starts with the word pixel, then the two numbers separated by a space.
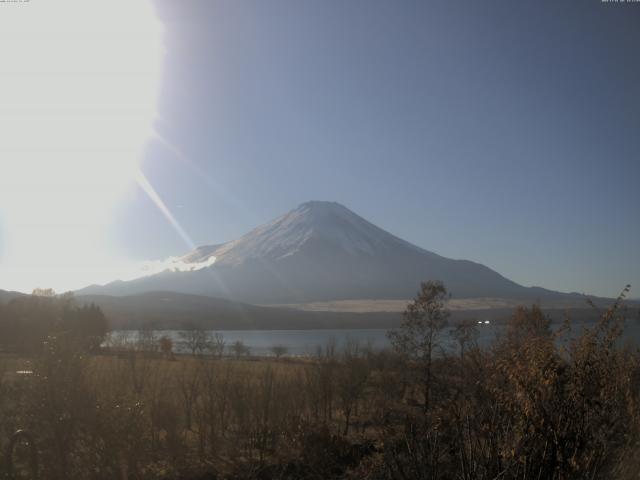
pixel 503 132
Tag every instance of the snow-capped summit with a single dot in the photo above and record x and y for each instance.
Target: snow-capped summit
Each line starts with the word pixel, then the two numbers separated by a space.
pixel 309 224
pixel 320 251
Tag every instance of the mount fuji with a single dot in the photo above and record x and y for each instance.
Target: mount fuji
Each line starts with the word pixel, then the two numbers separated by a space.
pixel 321 251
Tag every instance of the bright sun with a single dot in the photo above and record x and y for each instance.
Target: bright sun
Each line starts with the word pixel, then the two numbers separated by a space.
pixel 78 88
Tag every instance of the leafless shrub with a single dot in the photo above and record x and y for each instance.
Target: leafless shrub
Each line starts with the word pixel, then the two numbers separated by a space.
pixel 240 349
pixel 279 350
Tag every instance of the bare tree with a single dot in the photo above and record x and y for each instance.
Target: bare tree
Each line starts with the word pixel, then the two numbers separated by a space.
pixel 120 340
pixel 279 350
pixel 320 381
pixel 189 381
pixel 418 336
pixel 44 292
pixel 239 348
pixel 352 377
pixel 464 333
pixel 196 340
pixel 216 344
pixel 166 346
pixel 147 341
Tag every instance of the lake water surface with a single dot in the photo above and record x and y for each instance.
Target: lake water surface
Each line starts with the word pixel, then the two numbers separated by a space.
pixel 307 342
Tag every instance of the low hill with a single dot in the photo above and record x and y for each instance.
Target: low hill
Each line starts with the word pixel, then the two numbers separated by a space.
pixel 170 310
pixel 7 296
pixel 174 311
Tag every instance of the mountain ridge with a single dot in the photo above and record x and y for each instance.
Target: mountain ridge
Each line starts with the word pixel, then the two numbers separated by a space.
pixel 322 251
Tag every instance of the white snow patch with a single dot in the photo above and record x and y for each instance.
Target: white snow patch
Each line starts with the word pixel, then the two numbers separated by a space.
pixel 171 264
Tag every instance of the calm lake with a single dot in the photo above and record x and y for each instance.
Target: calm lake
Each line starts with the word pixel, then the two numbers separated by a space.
pixel 306 342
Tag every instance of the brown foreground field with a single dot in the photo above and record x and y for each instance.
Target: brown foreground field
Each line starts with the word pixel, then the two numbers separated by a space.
pixel 531 406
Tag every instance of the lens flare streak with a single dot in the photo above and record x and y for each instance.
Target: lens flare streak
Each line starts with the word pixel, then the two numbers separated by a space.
pixel 146 186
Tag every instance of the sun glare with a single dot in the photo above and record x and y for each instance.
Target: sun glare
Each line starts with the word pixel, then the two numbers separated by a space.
pixel 78 90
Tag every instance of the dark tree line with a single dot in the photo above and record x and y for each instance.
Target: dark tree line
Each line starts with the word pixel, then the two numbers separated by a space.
pixel 27 321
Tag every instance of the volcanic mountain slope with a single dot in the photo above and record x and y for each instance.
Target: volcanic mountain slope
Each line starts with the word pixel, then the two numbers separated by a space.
pixel 322 251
